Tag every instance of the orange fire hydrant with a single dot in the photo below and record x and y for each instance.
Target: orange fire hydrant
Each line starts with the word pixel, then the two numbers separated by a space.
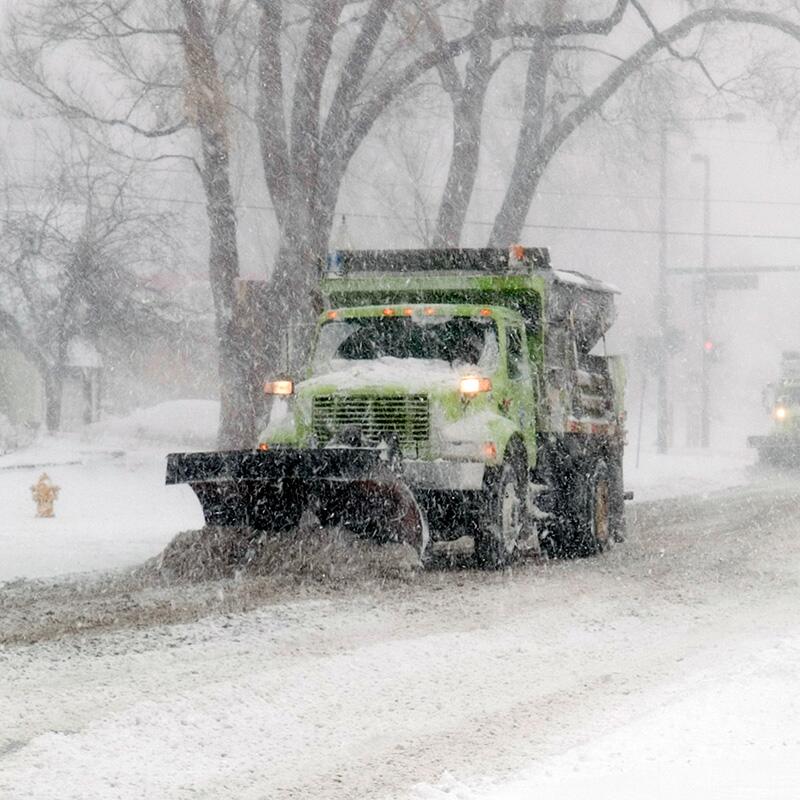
pixel 44 493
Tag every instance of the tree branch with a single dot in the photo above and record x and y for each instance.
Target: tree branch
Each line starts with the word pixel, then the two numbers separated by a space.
pixel 304 134
pixel 575 27
pixel 516 204
pixel 353 70
pixel 72 111
pixel 669 48
pixel 455 47
pixel 270 116
pixel 448 72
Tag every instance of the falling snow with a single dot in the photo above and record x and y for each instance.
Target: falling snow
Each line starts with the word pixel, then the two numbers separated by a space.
pixel 555 244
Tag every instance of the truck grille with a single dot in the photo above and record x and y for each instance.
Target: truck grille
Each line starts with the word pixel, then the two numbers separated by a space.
pixel 406 416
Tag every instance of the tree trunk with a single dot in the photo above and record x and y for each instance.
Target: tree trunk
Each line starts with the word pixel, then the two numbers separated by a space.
pixel 530 159
pixel 467 113
pixel 468 102
pixel 302 174
pixel 53 396
pixel 295 301
pixel 207 104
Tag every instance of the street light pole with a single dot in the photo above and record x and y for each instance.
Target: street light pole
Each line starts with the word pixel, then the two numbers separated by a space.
pixel 662 303
pixel 705 376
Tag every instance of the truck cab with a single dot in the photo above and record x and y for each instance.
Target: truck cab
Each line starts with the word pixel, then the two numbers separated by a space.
pixel 447 386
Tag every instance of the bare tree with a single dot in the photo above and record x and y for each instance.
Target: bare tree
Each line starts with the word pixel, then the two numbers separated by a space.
pixel 74 258
pixel 160 103
pixel 540 141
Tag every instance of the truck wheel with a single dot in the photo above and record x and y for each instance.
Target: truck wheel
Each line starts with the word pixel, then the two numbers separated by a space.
pixel 592 511
pixel 501 522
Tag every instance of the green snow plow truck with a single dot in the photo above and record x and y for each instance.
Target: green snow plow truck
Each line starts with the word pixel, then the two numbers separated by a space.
pixel 781 446
pixel 453 397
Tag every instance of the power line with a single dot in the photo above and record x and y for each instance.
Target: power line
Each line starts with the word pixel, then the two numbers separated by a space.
pixel 498 190
pixel 488 189
pixel 734 270
pixel 671 198
pixel 656 232
pixel 488 223
pixel 533 226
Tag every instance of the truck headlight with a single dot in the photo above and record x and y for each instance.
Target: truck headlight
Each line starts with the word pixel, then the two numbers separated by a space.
pixel 780 412
pixel 282 387
pixel 472 385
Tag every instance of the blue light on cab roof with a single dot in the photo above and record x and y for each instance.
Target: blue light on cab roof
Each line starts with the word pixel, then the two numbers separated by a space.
pixel 335 267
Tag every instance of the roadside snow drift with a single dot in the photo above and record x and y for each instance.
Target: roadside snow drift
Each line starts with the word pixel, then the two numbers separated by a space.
pixel 113 509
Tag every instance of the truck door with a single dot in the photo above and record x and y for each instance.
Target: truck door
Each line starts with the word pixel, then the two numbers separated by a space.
pixel 520 404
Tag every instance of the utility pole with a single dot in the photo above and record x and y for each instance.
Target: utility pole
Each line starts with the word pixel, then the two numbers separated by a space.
pixel 705 301
pixel 662 296
pixel 662 303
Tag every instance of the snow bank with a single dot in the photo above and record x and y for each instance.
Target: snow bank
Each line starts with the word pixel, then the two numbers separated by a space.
pixel 679 473
pixel 186 422
pixel 114 510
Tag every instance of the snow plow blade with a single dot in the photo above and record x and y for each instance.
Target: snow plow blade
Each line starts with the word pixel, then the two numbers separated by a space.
pixel 269 490
pixel 782 451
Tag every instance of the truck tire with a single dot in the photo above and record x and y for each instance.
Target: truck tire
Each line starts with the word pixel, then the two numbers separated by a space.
pixel 591 510
pixel 501 518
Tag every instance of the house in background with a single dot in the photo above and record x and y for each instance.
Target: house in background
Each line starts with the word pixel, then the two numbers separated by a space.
pixel 22 395
pixel 81 393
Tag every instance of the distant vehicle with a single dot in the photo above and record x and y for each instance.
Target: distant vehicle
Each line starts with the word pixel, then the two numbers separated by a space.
pixel 451 395
pixel 782 399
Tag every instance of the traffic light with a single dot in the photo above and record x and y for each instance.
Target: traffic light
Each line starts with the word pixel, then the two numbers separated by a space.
pixel 711 349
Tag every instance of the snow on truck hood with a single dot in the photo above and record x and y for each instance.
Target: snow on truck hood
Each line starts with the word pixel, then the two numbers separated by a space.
pixel 407 374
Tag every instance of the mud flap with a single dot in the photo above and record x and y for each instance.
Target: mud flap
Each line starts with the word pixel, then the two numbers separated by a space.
pixel 354 487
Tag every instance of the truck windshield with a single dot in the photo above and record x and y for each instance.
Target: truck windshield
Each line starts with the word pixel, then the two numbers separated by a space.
pixel 454 340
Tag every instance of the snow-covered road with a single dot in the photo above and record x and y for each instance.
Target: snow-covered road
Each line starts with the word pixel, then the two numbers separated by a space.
pixel 666 668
